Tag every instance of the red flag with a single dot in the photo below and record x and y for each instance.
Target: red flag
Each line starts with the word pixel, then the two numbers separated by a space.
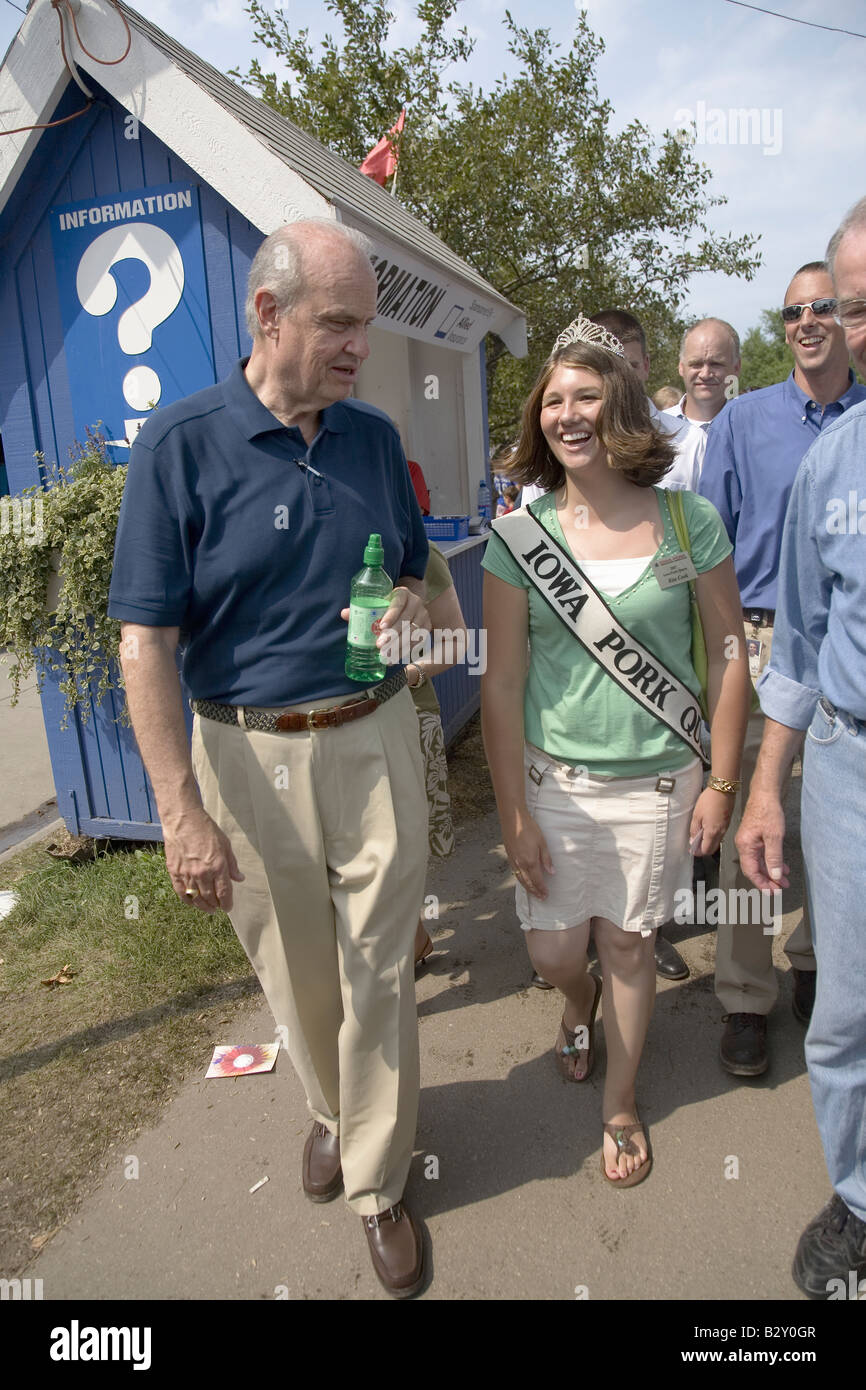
pixel 381 162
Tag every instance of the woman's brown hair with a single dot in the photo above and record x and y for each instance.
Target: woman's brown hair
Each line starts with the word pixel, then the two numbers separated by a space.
pixel 635 448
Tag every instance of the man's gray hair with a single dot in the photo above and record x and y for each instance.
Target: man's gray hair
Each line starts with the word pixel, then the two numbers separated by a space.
pixel 855 218
pixel 729 329
pixel 278 265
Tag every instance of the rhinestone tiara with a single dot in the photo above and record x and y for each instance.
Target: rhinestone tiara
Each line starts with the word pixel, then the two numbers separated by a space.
pixel 582 330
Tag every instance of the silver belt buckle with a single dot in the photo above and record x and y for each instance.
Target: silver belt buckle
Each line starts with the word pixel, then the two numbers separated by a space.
pixel 666 784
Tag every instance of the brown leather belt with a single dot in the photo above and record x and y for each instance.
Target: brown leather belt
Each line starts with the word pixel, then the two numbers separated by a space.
pixel 314 720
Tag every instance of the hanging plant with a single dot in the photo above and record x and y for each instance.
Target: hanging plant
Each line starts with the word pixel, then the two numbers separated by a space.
pixel 56 557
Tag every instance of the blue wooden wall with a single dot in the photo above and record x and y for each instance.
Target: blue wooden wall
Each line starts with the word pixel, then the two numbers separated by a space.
pixel 102 787
pixel 91 158
pixel 101 784
pixel 459 690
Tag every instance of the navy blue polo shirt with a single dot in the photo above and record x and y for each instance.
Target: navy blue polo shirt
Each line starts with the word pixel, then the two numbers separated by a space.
pixel 224 534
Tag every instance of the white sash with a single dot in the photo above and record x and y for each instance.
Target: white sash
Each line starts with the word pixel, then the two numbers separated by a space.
pixel 556 575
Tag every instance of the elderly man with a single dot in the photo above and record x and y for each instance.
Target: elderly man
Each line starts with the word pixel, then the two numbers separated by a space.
pixel 754 448
pixel 816 682
pixel 302 811
pixel 709 366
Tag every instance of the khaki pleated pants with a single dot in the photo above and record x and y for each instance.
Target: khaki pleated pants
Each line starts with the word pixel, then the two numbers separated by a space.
pixel 330 830
pixel 746 981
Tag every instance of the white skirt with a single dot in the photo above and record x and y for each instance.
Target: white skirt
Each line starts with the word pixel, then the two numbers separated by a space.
pixel 620 845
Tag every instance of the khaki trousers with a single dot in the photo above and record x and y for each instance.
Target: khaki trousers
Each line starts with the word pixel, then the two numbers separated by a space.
pixel 745 979
pixel 330 830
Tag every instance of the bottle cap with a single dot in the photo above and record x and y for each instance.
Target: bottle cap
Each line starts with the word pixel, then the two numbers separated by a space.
pixel 374 554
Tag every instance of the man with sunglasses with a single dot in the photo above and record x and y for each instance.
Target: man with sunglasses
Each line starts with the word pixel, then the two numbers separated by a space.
pixel 754 448
pixel 816 682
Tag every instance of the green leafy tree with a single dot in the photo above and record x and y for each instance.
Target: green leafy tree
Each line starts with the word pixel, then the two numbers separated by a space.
pixel 526 182
pixel 766 357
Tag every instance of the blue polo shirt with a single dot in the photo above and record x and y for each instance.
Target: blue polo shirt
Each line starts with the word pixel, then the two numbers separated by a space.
pixel 236 531
pixel 754 447
pixel 819 641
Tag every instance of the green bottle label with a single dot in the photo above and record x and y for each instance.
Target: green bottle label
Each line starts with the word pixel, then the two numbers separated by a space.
pixel 362 615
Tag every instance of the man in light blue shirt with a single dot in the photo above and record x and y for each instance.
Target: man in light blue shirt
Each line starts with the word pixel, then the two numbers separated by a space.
pixel 816 681
pixel 754 448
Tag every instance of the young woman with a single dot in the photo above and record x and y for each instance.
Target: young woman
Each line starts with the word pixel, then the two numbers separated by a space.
pixel 599 798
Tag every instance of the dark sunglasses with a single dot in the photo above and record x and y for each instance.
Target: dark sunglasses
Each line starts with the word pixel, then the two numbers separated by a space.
pixel 820 308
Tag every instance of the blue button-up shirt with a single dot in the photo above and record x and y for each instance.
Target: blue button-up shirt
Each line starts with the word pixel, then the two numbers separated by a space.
pixel 754 448
pixel 819 640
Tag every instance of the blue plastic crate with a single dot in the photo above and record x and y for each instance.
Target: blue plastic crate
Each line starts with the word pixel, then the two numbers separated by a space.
pixel 447 528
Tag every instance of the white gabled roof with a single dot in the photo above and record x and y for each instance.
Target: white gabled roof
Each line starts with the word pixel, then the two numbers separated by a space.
pixel 261 163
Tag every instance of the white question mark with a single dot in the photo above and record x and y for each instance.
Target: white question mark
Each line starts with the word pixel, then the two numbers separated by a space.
pixel 97 290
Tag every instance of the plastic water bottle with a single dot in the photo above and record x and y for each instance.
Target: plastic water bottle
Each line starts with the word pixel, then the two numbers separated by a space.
pixel 369 601
pixel 484 500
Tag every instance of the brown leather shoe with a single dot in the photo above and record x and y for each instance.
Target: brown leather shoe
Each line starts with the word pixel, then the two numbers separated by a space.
pixel 321 1172
pixel 396 1250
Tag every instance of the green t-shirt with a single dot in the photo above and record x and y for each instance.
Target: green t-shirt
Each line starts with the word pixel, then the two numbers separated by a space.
pixel 437 578
pixel 573 709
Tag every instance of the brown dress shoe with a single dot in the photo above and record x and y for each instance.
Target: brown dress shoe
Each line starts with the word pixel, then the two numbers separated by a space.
pixel 396 1250
pixel 321 1172
pixel 743 1049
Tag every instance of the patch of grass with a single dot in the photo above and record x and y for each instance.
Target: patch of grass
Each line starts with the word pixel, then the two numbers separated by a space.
pixel 117 923
pixel 87 1064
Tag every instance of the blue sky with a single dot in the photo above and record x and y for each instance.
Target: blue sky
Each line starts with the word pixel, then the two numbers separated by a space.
pixel 664 58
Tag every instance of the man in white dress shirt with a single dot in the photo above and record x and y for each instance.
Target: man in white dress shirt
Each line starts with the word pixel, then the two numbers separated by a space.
pixel 689 441
pixel 709 367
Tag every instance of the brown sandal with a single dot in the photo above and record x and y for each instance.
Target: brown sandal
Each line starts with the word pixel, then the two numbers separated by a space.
pixel 621 1136
pixel 571 1034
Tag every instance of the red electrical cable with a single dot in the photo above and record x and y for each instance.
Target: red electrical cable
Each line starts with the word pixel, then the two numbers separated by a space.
pixel 106 62
pixel 19 130
pixel 57 5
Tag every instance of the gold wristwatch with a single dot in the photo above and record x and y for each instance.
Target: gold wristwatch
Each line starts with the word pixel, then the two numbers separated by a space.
pixel 422 678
